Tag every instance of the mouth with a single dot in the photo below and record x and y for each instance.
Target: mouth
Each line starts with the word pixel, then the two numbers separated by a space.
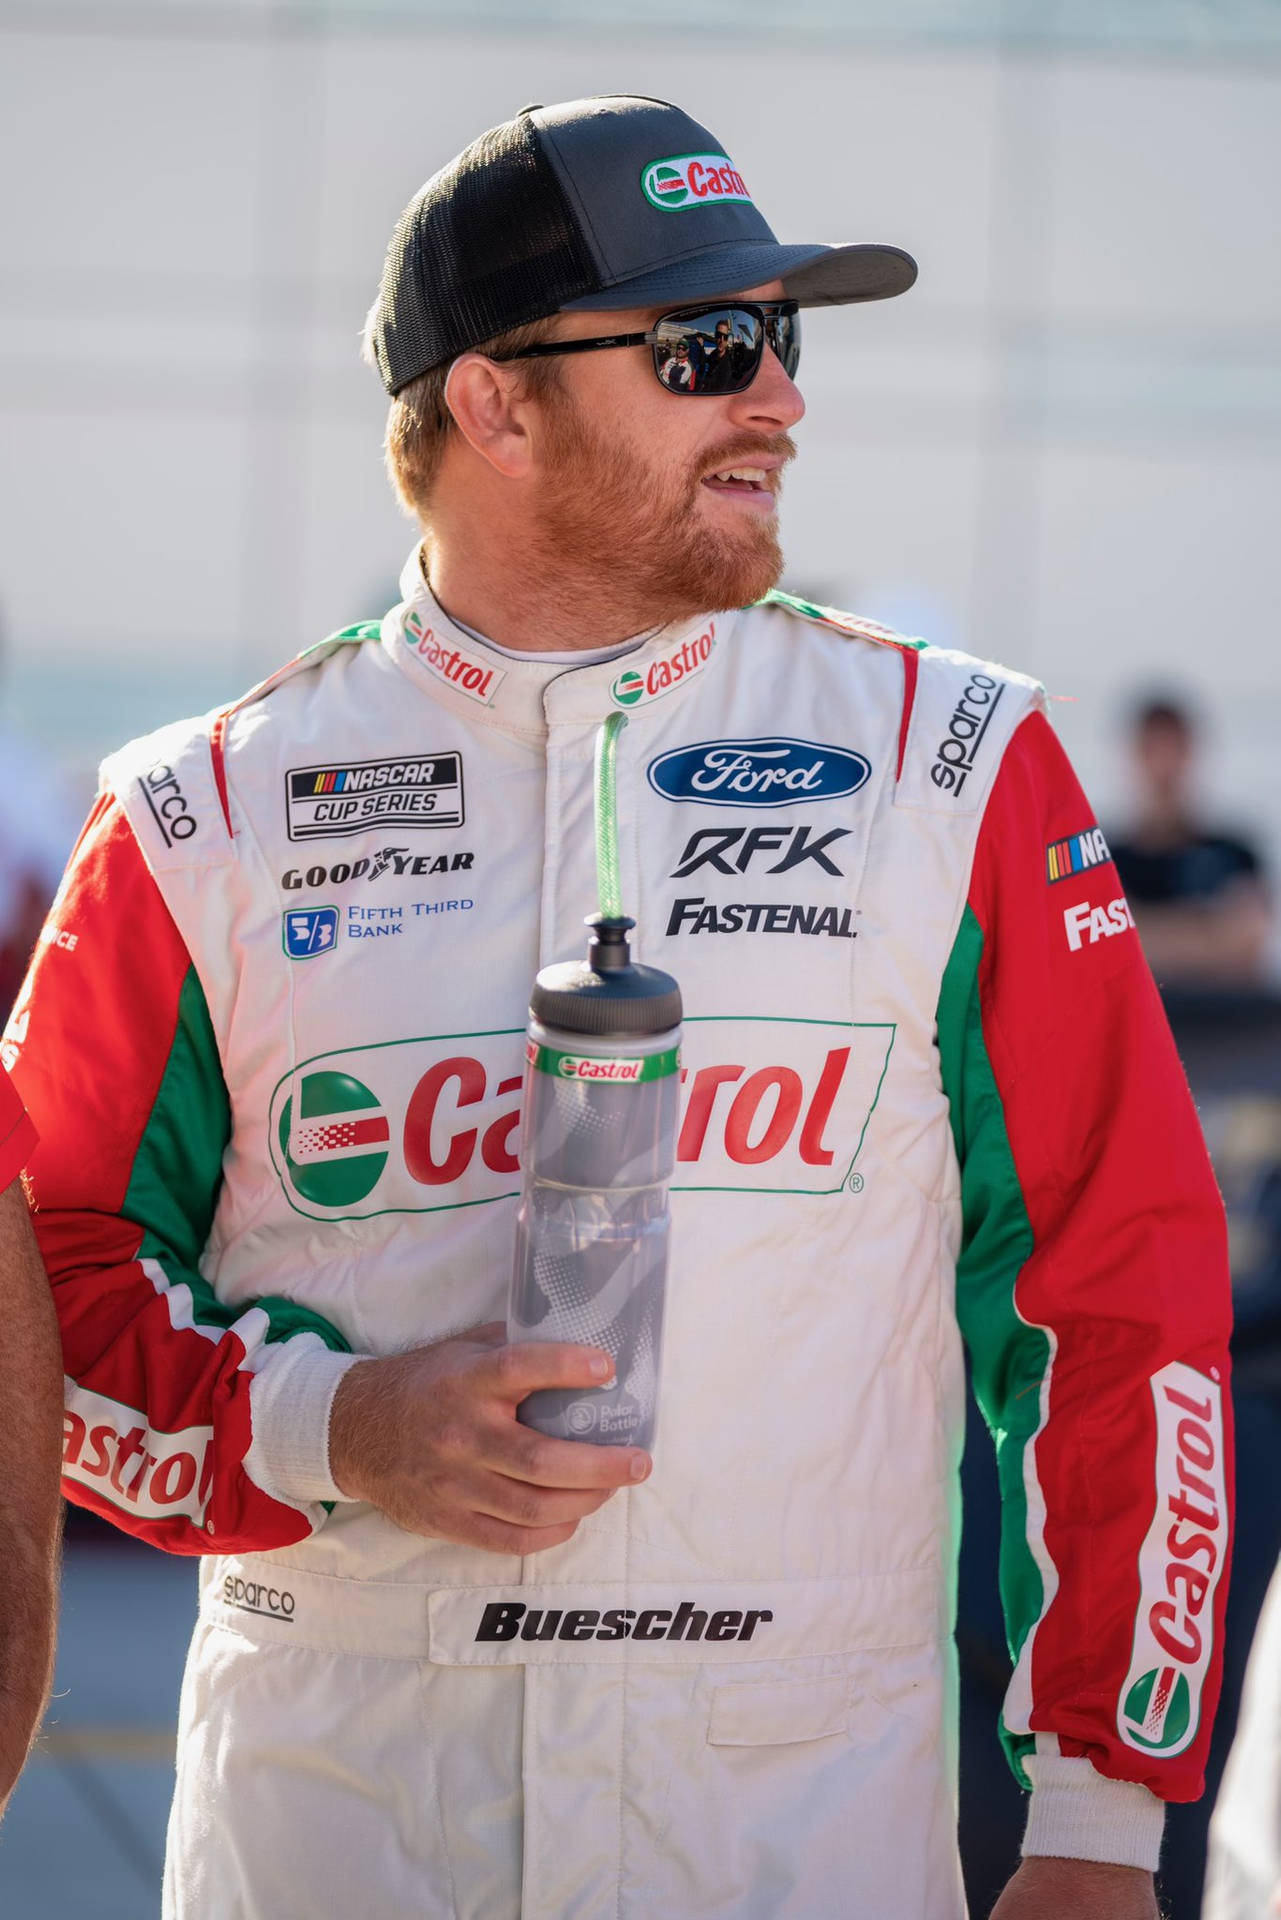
pixel 753 486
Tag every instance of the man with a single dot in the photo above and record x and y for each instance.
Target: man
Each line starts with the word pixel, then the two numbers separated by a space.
pixel 724 363
pixel 677 372
pixel 444 1665
pixel 1198 894
pixel 29 1502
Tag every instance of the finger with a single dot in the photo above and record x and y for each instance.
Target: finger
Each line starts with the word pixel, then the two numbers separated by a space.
pixel 529 1506
pixel 510 1372
pixel 500 1536
pixel 491 1333
pixel 523 1454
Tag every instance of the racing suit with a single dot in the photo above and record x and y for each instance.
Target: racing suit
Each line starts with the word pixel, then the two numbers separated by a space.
pixel 17 1135
pixel 273 1046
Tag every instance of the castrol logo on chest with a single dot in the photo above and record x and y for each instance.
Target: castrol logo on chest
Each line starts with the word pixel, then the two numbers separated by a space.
pixel 1179 1566
pixel 430 1124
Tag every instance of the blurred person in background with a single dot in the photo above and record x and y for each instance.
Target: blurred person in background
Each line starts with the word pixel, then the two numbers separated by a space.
pixel 38 828
pixel 30 1451
pixel 1196 891
pixel 445 1665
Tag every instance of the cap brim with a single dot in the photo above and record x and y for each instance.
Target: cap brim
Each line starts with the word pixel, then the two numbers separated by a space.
pixel 814 275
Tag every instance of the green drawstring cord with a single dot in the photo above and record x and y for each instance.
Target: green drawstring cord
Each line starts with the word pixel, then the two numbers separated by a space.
pixel 607 880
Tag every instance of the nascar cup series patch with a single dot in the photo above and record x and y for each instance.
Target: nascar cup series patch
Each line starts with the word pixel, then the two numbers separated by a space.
pixel 692 180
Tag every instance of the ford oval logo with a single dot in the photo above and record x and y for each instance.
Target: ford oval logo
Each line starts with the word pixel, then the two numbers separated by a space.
pixel 773 772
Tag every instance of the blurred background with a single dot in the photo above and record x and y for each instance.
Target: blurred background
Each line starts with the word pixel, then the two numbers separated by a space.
pixel 1061 450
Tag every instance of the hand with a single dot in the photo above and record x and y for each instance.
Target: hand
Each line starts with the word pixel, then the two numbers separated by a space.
pixel 431 1437
pixel 1046 1889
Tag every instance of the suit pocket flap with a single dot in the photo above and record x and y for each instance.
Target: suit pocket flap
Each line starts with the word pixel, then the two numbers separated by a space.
pixel 771 1713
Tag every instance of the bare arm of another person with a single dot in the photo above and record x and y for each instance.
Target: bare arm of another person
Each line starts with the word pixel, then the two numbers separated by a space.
pixel 30 1448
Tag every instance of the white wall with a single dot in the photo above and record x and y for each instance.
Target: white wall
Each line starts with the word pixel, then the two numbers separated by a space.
pixel 1062 448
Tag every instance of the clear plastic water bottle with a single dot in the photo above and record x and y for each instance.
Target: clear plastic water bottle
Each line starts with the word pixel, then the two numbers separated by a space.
pixel 598 1146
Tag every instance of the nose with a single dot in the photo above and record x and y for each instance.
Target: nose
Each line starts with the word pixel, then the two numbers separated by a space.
pixel 773 401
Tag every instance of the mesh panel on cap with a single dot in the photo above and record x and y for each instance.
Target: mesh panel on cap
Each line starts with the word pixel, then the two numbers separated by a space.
pixel 490 243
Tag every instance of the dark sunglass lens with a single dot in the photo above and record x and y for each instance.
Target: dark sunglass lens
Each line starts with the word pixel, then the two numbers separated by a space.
pixel 785 338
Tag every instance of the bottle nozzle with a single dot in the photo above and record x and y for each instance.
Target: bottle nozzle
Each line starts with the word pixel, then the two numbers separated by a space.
pixel 607 950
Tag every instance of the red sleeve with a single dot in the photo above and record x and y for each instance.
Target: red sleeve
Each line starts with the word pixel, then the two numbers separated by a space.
pixel 1093 1291
pixel 114 1052
pixel 17 1135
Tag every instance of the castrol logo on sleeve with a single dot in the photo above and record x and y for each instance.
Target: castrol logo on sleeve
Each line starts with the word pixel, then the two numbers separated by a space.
pixel 108 1448
pixel 431 1124
pixel 1180 1562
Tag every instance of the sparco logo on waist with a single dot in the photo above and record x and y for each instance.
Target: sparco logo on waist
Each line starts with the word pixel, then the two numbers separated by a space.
pixel 471 673
pixel 635 686
pixel 512 1619
pixel 168 805
pixel 428 1125
pixel 251 1596
pixel 771 772
pixel 957 751
pixel 1180 1563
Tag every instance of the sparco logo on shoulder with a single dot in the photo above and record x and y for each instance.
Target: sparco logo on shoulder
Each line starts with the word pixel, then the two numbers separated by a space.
pixel 957 751
pixel 770 772
pixel 1180 1563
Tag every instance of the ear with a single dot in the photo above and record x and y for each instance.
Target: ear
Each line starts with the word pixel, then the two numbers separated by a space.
pixel 484 396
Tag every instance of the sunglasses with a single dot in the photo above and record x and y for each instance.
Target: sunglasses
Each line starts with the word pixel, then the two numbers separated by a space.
pixel 751 328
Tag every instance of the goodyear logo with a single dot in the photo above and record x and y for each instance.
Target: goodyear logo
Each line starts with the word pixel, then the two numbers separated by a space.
pixel 692 180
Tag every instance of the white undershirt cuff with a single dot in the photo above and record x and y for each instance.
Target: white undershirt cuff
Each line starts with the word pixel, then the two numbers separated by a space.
pixel 290 1400
pixel 1079 1814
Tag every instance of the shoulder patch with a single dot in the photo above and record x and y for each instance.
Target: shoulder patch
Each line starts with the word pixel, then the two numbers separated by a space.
pixel 850 624
pixel 963 717
pixel 166 784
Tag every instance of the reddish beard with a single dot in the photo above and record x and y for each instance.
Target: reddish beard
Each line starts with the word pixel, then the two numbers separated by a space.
pixel 639 534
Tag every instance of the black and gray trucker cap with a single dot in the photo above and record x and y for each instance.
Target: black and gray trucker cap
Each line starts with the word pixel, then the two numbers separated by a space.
pixel 608 202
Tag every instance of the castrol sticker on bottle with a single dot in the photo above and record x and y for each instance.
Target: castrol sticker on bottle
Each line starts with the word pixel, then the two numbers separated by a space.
pixel 433 1123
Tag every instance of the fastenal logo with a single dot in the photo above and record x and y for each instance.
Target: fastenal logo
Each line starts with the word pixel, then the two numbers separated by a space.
pixel 692 180
pixel 1180 1561
pixel 664 673
pixel 337 1147
pixel 430 1124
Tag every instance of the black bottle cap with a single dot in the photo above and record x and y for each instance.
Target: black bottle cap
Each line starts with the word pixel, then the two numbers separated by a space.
pixel 607 993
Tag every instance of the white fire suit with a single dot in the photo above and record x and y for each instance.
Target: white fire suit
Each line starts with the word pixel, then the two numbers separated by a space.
pixel 273 1048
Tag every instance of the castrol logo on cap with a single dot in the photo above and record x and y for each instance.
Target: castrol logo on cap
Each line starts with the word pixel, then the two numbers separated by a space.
pixel 426 1125
pixel 456 665
pixel 686 180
